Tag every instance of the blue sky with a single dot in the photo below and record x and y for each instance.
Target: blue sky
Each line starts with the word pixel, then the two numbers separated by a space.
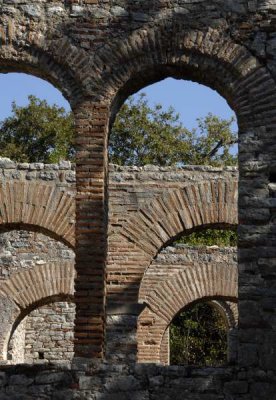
pixel 189 99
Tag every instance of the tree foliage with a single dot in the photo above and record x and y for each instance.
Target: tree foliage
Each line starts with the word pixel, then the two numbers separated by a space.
pixel 37 132
pixel 151 135
pixel 211 237
pixel 198 336
pixel 140 135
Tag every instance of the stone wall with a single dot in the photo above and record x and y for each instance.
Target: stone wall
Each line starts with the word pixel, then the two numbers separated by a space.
pixel 44 329
pixel 45 335
pixel 106 382
pixel 171 203
pixel 49 333
pixel 98 52
pixel 39 338
pixel 23 250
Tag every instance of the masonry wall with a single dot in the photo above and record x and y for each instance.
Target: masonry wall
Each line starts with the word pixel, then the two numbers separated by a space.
pixel 28 249
pixel 165 283
pixel 117 381
pixel 46 334
pixel 49 333
pixel 98 53
pixel 23 250
pixel 173 259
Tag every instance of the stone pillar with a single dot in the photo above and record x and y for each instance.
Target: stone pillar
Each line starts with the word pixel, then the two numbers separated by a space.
pixel 91 227
pixel 9 311
pixel 257 216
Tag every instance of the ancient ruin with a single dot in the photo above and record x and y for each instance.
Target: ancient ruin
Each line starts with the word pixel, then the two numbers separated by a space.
pixel 105 227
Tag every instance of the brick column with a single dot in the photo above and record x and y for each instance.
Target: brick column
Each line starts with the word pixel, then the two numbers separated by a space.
pixel 91 228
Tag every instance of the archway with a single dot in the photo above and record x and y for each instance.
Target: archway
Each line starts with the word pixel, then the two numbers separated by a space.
pixel 36 203
pixel 38 206
pixel 198 336
pixel 224 66
pixel 45 334
pixel 195 283
pixel 229 320
pixel 27 290
pixel 168 265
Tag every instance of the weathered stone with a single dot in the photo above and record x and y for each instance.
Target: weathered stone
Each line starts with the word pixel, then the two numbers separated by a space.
pixel 98 52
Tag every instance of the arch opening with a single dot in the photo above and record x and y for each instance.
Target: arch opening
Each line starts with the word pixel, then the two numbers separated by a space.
pixel 145 131
pixel 191 272
pixel 35 270
pixel 38 67
pixel 44 332
pixel 159 73
pixel 37 194
pixel 198 335
pixel 36 122
pixel 193 204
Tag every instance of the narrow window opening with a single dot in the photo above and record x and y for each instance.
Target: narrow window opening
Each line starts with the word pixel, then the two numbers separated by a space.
pixel 41 355
pixel 272 184
pixel 272 176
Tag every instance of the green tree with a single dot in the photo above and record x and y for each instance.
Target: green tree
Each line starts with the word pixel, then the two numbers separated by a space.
pixel 150 135
pixel 211 237
pixel 140 135
pixel 213 141
pixel 198 336
pixel 37 132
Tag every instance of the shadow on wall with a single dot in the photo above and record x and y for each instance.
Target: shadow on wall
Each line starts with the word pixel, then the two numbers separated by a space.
pixel 143 382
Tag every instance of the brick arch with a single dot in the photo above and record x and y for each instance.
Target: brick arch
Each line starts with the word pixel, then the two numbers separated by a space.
pixel 33 288
pixel 229 312
pixel 204 281
pixel 38 206
pixel 167 299
pixel 35 59
pixel 180 211
pixel 168 49
pixel 29 287
pixel 207 56
pixel 169 215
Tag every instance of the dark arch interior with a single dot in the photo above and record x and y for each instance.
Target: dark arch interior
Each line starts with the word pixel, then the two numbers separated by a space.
pixel 198 335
